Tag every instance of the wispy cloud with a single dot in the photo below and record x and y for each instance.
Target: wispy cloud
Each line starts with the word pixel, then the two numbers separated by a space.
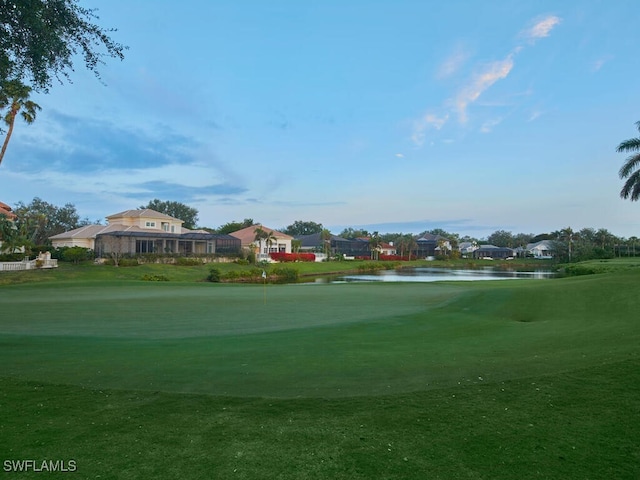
pixel 479 82
pixel 600 62
pixel 428 121
pixel 540 29
pixel 452 64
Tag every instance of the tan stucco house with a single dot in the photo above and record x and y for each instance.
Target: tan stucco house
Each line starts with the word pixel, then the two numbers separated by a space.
pixel 278 241
pixel 146 231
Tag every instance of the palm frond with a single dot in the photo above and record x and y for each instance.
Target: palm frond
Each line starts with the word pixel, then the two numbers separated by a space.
pixel 632 163
pixel 631 145
pixel 631 188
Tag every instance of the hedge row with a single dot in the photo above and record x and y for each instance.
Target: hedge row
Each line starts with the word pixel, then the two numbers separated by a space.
pixel 292 257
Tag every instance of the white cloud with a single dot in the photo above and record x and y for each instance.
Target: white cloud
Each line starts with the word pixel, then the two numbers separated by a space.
pixel 428 121
pixel 488 125
pixel 541 28
pixel 489 75
pixel 399 155
pixel 482 80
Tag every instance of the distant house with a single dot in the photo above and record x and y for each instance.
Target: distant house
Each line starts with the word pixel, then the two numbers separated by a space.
pixel 357 247
pixel 146 231
pixel 430 245
pixel 388 249
pixel 542 249
pixel 467 248
pixel 273 241
pixel 491 251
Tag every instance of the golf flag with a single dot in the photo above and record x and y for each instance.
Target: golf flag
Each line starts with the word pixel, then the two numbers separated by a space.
pixel 264 274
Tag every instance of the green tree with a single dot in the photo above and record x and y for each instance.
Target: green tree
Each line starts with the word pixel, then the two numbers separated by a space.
pixel 41 39
pixel 300 227
pixel 352 233
pixel 631 168
pixel 8 234
pixel 235 226
pixel 40 220
pixel 501 238
pixel 14 97
pixel 188 215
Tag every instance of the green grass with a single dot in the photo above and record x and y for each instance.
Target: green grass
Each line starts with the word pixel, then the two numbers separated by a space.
pixel 488 380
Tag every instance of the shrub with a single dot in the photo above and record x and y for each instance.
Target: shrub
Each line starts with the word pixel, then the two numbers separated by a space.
pixel 188 262
pixel 76 254
pixel 285 274
pixel 293 257
pixel 214 275
pixel 155 278
pixel 574 270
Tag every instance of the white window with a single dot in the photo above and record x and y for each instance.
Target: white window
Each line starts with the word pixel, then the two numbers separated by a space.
pixel 150 224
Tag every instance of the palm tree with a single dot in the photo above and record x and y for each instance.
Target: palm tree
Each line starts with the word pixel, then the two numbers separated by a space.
pixel 265 236
pixel 631 168
pixel 14 96
pixel 325 236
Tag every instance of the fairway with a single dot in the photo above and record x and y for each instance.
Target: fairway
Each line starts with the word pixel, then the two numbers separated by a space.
pixel 310 340
pixel 338 380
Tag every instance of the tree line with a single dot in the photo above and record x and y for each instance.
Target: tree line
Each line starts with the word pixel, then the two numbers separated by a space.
pixel 39 220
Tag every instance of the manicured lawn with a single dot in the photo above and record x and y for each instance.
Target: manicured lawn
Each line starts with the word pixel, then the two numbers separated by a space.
pixel 491 380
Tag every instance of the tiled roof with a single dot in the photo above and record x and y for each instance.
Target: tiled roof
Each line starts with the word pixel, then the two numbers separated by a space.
pixel 248 235
pixel 6 211
pixel 145 212
pixel 90 231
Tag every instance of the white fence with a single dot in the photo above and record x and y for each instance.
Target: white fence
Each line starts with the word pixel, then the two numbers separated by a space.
pixel 28 265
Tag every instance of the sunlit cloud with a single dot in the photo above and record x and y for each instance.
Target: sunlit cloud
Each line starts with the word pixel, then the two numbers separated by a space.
pixel 475 86
pixel 489 75
pixel 488 125
pixel 428 121
pixel 541 28
pixel 399 155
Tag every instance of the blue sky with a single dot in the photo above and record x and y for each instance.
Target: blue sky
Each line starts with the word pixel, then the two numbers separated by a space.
pixel 388 115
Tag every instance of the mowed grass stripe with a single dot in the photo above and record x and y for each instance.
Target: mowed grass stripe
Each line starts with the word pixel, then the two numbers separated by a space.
pixel 142 310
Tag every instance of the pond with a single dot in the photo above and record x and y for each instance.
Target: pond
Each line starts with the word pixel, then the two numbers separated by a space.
pixel 434 274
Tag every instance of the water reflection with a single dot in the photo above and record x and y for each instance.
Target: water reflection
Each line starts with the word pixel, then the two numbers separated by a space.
pixel 434 274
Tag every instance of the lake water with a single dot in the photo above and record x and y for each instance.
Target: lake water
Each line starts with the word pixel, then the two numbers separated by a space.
pixel 429 274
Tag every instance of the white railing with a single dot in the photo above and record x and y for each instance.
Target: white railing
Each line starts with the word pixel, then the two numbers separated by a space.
pixel 27 265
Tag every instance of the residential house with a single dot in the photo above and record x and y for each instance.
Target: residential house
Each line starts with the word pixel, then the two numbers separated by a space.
pixel 263 240
pixel 146 231
pixel 493 252
pixel 387 249
pixel 467 248
pixel 358 247
pixel 542 249
pixel 430 245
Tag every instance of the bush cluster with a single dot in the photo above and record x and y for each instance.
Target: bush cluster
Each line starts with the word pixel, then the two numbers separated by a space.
pixel 292 257
pixel 155 278
pixel 188 261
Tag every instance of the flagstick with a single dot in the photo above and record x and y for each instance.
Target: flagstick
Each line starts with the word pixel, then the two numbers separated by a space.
pixel 264 286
